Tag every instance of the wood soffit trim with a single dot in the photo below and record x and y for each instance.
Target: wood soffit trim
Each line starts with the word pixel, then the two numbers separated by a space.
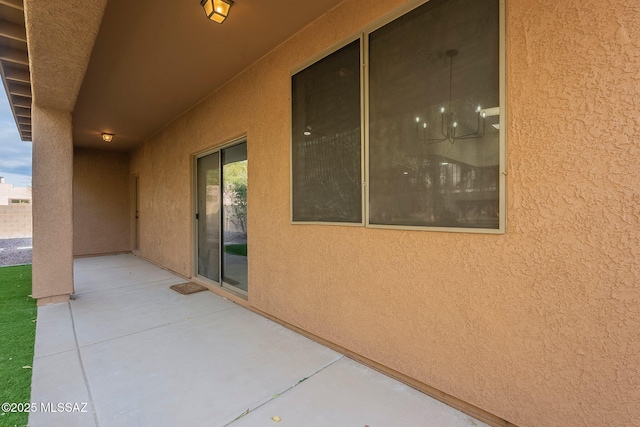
pixel 14 64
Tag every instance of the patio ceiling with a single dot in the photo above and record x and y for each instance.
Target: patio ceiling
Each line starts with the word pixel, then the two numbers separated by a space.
pixel 153 60
pixel 14 64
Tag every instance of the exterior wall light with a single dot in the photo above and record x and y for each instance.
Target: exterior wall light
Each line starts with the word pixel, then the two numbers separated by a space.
pixel 216 10
pixel 107 137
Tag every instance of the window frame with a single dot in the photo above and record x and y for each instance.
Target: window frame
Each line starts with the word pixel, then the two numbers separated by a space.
pixel 194 157
pixel 306 64
pixel 363 35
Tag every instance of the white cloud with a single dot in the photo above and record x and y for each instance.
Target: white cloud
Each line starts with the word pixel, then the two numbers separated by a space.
pixel 11 164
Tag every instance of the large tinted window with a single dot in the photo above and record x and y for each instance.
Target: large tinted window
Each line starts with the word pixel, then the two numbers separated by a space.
pixel 326 150
pixel 434 157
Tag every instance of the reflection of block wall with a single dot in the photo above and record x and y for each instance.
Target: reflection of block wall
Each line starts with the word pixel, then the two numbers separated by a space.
pixel 15 221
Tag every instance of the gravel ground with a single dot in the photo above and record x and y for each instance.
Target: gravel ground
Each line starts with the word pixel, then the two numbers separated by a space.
pixel 15 251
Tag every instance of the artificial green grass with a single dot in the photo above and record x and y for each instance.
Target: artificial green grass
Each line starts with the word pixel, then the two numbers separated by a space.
pixel 236 249
pixel 18 312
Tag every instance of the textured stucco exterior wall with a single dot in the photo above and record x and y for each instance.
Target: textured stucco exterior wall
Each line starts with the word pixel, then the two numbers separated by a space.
pixel 165 199
pixel 574 220
pixel 60 37
pixel 101 211
pixel 541 325
pixel 52 205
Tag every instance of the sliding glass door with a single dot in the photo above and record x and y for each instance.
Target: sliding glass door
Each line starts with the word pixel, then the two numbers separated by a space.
pixel 208 216
pixel 221 217
pixel 234 216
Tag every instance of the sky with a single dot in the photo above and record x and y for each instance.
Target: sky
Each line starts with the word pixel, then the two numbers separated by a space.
pixel 15 155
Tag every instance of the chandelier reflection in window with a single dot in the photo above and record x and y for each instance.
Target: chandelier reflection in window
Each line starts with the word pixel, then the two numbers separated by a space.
pixel 448 123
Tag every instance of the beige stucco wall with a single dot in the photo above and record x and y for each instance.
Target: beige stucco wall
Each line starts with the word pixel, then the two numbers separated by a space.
pixel 165 201
pixel 541 325
pixel 101 198
pixel 60 36
pixel 52 205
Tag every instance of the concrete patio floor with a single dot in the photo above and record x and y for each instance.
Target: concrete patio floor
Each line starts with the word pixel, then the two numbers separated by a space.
pixel 129 351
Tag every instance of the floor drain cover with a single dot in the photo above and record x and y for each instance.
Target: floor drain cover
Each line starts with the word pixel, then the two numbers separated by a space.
pixel 188 288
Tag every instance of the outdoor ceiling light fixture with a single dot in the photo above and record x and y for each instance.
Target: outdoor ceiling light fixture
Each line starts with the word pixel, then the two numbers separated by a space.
pixel 216 10
pixel 107 137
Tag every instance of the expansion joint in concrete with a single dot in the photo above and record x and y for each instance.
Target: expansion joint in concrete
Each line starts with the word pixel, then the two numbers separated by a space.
pixel 275 396
pixel 84 372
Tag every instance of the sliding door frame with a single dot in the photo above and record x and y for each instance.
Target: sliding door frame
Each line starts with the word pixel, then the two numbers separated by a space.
pixel 194 211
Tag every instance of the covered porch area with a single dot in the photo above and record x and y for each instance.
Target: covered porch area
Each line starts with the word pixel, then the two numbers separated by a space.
pixel 137 109
pixel 129 351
